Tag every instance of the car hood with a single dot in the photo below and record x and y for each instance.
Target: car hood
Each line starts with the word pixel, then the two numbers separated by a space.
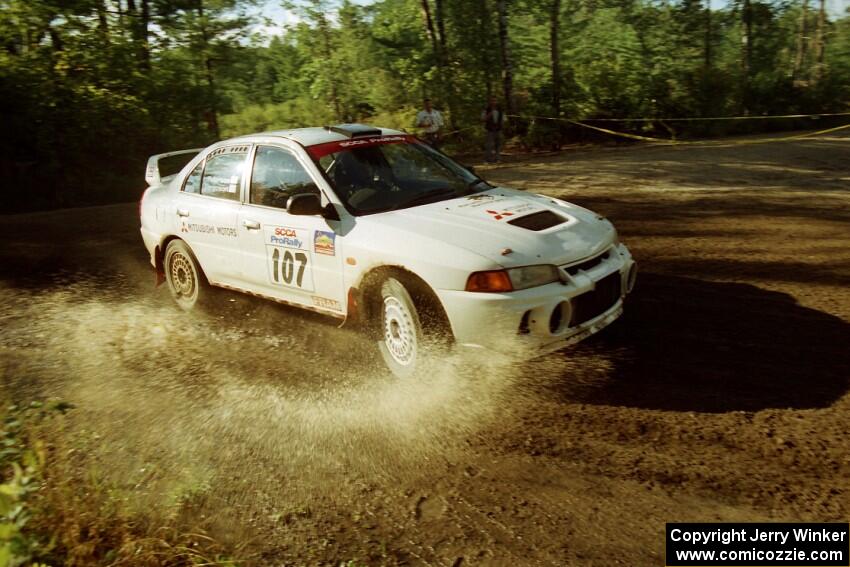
pixel 481 223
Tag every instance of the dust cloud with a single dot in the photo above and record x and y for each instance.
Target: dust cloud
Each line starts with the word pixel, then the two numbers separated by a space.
pixel 245 400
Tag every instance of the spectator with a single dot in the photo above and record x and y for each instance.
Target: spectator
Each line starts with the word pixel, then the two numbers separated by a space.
pixel 493 117
pixel 431 121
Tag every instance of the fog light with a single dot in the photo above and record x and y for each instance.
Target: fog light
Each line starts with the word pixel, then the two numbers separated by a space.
pixel 631 278
pixel 523 323
pixel 559 318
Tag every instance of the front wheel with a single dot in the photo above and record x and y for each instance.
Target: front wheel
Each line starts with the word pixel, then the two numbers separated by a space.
pixel 186 281
pixel 402 340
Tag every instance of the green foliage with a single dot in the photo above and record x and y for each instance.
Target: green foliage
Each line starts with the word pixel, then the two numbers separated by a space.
pixel 17 545
pixel 22 459
pixel 296 113
pixel 88 92
pixel 58 508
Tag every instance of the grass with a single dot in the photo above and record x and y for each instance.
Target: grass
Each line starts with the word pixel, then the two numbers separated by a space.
pixel 56 510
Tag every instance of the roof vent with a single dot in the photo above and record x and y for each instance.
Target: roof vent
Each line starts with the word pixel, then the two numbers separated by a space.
pixel 538 221
pixel 354 130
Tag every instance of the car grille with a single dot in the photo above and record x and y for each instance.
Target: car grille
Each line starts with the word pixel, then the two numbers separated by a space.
pixel 597 301
pixel 588 264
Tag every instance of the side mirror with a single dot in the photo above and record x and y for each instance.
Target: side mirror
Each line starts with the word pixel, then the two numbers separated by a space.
pixel 306 204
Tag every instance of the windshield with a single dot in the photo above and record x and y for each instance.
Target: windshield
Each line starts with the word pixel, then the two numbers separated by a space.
pixel 392 172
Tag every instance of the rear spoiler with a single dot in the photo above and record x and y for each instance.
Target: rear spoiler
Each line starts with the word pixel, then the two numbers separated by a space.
pixel 154 176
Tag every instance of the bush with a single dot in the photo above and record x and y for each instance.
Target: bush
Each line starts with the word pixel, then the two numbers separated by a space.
pixel 22 460
pixel 54 509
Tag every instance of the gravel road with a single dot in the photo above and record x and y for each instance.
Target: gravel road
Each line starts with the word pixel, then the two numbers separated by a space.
pixel 721 394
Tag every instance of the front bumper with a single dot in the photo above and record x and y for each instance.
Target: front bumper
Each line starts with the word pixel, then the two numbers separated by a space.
pixel 542 319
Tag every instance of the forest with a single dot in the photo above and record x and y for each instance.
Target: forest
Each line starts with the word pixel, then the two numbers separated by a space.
pixel 90 88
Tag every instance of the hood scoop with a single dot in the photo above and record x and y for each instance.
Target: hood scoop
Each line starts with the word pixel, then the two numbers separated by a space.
pixel 540 220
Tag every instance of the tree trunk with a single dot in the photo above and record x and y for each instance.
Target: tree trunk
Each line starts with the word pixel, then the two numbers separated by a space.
pixel 820 44
pixel 327 53
pixel 139 22
pixel 555 55
pixel 446 70
pixel 102 23
pixel 505 49
pixel 212 110
pixel 747 53
pixel 441 26
pixel 438 44
pixel 709 33
pixel 484 23
pixel 56 40
pixel 144 39
pixel 429 29
pixel 802 42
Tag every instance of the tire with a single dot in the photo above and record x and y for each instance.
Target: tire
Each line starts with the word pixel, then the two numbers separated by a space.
pixel 186 281
pixel 409 332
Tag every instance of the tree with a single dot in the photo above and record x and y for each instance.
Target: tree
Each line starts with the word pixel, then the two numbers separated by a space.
pixel 90 88
pixel 555 55
pixel 708 38
pixel 207 33
pixel 746 53
pixel 507 61
pixel 139 20
pixel 435 29
pixel 820 43
pixel 802 42
pixel 484 27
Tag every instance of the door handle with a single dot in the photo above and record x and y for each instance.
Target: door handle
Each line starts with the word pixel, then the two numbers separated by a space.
pixel 251 224
pixel 182 212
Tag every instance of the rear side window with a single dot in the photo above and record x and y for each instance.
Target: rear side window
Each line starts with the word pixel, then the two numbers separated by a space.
pixel 193 181
pixel 172 165
pixel 223 174
pixel 277 176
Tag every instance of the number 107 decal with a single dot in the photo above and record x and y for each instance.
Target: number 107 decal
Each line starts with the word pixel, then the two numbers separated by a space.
pixel 290 268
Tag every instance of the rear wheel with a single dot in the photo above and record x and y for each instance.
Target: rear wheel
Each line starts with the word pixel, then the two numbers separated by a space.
pixel 407 335
pixel 186 281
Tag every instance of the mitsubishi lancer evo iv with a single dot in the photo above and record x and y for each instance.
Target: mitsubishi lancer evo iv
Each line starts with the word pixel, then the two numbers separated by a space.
pixel 373 226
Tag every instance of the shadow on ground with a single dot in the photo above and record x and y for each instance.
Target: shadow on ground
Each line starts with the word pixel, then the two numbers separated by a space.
pixel 686 344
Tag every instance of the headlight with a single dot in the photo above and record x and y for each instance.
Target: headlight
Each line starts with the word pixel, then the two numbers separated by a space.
pixel 532 276
pixel 495 281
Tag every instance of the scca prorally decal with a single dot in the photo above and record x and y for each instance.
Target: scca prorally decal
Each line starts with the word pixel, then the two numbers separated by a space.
pixel 320 150
pixel 382 140
pixel 324 242
pixel 285 236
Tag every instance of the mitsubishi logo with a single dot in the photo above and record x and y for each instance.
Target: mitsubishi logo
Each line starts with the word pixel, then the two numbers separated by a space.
pixel 500 216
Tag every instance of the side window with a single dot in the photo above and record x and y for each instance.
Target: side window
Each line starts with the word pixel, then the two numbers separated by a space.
pixel 223 175
pixel 193 181
pixel 277 176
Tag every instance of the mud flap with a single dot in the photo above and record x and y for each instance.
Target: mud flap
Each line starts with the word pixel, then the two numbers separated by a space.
pixel 159 269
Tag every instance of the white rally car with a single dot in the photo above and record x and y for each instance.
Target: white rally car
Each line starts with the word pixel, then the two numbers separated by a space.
pixel 372 225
